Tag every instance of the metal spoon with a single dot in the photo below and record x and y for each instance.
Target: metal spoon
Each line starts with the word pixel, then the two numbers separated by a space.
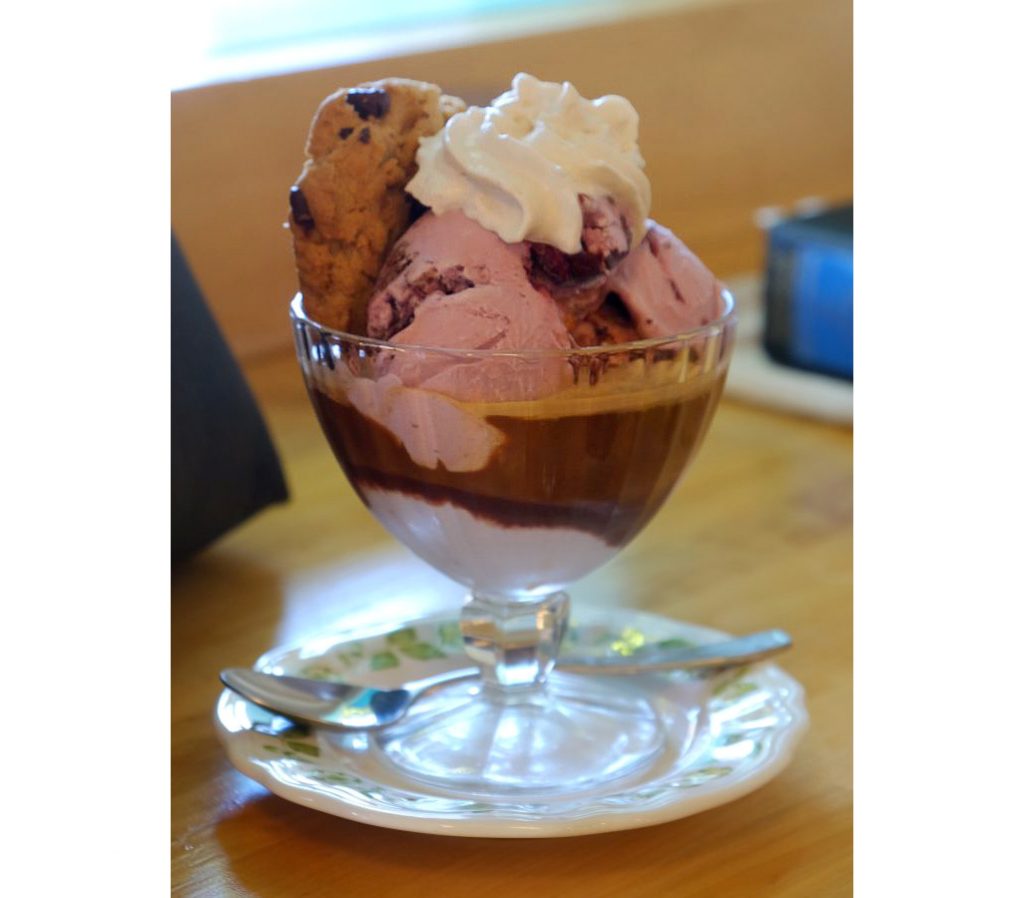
pixel 349 707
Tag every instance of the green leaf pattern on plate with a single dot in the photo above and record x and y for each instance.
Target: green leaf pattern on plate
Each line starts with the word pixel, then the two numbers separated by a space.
pixel 383 661
pixel 336 777
pixel 316 671
pixel 409 642
pixel 450 634
pixel 733 686
pixel 293 749
pixel 405 636
pixel 352 655
pixel 423 651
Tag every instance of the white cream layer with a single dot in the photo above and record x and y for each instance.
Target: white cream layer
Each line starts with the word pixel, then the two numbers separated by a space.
pixel 482 554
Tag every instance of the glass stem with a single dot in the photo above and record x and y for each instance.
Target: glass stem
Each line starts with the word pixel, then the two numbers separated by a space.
pixel 514 641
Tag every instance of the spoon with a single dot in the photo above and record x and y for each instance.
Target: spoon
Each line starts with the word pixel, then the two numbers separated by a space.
pixel 344 706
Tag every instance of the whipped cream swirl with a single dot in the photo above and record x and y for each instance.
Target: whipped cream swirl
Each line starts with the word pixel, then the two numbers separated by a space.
pixel 518 167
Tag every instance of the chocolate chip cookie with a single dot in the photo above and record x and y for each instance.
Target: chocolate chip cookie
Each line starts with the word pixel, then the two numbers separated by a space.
pixel 349 204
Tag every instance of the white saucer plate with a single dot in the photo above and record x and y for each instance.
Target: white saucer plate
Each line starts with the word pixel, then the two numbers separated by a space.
pixel 725 736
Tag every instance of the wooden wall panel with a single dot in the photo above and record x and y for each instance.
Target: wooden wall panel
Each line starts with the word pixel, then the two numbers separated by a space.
pixel 742 104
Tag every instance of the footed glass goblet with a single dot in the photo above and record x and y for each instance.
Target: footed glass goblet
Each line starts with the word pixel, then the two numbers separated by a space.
pixel 515 474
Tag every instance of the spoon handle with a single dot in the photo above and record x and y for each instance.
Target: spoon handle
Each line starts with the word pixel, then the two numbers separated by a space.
pixel 717 656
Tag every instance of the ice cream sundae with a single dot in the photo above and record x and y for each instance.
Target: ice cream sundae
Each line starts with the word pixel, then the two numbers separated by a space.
pixel 504 351
pixel 513 365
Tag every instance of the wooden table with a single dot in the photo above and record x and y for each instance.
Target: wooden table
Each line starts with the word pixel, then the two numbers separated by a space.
pixel 758 536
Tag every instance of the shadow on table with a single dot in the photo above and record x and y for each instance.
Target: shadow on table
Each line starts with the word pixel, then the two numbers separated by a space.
pixel 276 848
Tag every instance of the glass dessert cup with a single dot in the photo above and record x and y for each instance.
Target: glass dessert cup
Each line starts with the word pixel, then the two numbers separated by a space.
pixel 516 474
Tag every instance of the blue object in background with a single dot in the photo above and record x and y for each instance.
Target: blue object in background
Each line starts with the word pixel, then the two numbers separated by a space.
pixel 809 293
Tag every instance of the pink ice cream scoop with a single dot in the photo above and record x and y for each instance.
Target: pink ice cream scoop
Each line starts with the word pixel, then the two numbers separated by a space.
pixel 665 287
pixel 449 254
pixel 451 283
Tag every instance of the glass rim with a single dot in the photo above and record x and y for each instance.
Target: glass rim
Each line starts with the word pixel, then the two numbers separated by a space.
pixel 728 317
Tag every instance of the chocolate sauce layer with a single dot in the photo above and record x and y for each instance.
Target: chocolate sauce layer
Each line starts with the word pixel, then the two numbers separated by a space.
pixel 604 473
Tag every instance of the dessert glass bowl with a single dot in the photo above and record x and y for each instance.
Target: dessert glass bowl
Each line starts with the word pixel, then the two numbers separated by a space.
pixel 515 474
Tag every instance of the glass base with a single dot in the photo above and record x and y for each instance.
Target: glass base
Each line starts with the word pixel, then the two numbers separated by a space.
pixel 572 733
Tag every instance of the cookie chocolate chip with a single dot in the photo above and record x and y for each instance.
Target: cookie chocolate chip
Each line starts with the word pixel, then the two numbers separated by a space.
pixel 373 103
pixel 300 209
